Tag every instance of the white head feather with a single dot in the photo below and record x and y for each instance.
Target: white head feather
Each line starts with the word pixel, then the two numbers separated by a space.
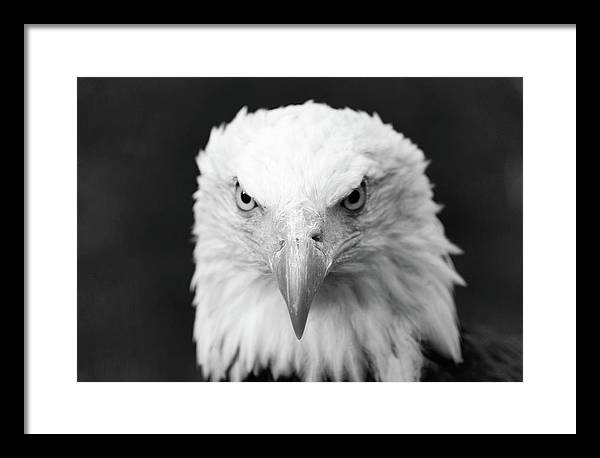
pixel 391 292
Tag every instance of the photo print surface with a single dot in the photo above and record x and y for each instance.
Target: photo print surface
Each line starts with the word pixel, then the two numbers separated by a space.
pixel 312 229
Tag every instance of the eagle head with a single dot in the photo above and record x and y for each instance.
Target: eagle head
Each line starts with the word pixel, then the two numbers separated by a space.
pixel 322 219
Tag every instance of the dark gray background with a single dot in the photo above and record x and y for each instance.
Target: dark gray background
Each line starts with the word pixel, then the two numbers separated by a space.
pixel 137 140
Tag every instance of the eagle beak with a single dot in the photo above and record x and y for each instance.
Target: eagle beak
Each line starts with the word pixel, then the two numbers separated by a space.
pixel 299 268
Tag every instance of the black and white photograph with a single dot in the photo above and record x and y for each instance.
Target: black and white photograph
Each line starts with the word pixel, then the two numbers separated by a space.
pixel 299 229
pixel 342 229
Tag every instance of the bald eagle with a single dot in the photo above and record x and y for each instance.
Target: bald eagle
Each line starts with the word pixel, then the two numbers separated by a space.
pixel 318 251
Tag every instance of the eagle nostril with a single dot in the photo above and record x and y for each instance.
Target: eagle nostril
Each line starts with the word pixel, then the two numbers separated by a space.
pixel 280 245
pixel 316 236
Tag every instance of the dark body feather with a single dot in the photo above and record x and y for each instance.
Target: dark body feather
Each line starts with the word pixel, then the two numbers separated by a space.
pixel 487 357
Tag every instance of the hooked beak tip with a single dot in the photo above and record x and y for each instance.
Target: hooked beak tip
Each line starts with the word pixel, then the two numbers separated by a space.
pixel 299 324
pixel 299 333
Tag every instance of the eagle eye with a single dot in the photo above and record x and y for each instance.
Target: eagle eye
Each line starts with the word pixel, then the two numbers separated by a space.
pixel 244 201
pixel 356 199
